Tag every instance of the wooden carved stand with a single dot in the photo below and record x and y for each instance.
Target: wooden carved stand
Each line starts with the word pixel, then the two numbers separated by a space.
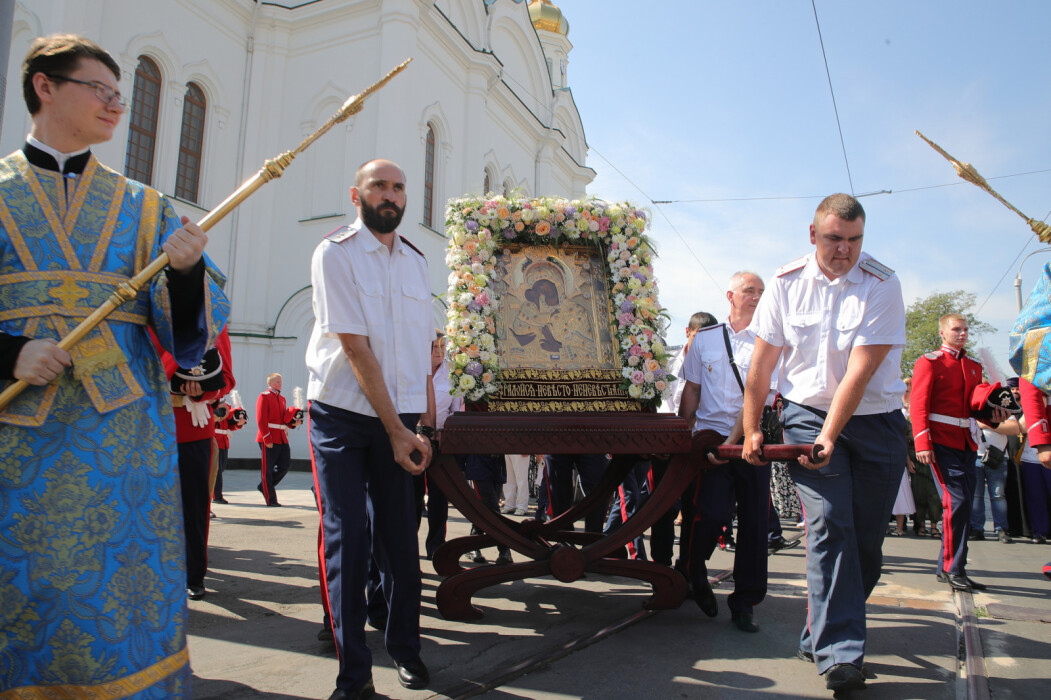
pixel 552 548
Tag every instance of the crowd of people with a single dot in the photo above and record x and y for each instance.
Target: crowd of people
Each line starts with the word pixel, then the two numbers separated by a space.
pixel 111 458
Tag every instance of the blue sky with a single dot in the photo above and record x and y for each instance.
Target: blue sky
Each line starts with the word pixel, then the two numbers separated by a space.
pixel 702 100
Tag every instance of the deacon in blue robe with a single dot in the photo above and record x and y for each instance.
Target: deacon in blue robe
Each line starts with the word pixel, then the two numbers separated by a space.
pixel 92 559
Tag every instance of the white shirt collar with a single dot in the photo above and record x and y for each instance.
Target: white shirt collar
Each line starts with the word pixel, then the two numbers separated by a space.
pixel 373 243
pixel 853 275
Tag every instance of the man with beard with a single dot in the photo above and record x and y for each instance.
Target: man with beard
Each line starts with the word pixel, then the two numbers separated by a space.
pixel 369 364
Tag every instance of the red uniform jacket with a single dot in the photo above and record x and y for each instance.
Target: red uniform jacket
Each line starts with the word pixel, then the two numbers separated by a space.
pixel 1037 414
pixel 271 418
pixel 943 383
pixel 185 430
pixel 223 428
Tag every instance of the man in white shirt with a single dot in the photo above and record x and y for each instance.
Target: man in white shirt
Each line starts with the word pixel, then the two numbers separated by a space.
pixel 369 364
pixel 834 321
pixel 712 396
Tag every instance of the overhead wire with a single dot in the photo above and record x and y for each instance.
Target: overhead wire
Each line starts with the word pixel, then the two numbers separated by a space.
pixel 835 108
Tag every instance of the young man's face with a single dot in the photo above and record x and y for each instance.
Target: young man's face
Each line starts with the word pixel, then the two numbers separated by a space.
pixel 838 244
pixel 275 383
pixel 954 333
pixel 75 109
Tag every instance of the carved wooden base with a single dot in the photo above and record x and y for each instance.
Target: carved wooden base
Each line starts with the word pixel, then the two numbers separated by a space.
pixel 551 548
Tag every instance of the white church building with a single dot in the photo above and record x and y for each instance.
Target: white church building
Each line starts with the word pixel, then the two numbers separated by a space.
pixel 216 87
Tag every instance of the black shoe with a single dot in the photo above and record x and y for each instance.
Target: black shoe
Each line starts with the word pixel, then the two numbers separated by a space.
pixel 367 690
pixel 705 597
pixel 743 621
pixel 325 635
pixel 975 585
pixel 976 535
pixel 413 674
pixel 804 656
pixel 781 543
pixel 220 499
pixel 1038 539
pixel 273 504
pixel 1003 537
pixel 504 557
pixel 957 583
pixel 195 592
pixel 541 517
pixel 476 556
pixel 844 677
pixel 379 624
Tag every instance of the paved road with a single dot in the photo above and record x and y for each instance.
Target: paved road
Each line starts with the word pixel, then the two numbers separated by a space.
pixel 254 636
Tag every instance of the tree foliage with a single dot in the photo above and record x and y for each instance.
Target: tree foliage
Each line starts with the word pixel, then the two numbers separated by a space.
pixel 921 324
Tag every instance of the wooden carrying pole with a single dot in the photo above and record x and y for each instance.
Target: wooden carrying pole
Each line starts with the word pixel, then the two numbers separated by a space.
pixel 272 169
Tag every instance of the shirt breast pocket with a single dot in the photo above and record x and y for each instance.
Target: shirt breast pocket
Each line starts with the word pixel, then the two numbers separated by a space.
pixel 371 288
pixel 802 327
pixel 418 300
pixel 846 326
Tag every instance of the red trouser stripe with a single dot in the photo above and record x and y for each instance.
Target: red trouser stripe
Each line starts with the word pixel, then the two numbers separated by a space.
pixel 948 537
pixel 322 570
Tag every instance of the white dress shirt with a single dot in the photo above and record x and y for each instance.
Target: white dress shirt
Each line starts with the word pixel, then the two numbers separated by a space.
pixel 819 321
pixel 362 288
pixel 708 365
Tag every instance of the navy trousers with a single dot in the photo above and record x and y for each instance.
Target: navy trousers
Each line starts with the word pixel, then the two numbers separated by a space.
pixel 954 471
pixel 359 484
pixel 437 514
pixel 195 459
pixel 627 499
pixel 714 493
pixel 591 468
pixel 662 534
pixel 846 506
pixel 276 460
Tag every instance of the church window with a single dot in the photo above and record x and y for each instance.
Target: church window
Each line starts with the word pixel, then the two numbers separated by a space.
pixel 428 179
pixel 142 127
pixel 188 174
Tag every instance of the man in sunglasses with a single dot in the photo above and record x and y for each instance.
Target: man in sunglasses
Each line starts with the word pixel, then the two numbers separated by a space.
pixel 92 552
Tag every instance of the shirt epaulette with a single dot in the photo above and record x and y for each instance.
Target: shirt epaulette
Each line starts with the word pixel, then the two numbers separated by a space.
pixel 406 242
pixel 876 269
pixel 933 355
pixel 341 234
pixel 711 328
pixel 796 264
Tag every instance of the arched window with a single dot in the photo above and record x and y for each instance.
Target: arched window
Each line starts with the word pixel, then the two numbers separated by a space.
pixel 142 127
pixel 486 183
pixel 188 174
pixel 428 179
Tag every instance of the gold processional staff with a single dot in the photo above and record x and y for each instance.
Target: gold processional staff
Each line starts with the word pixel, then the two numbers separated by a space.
pixel 271 169
pixel 967 172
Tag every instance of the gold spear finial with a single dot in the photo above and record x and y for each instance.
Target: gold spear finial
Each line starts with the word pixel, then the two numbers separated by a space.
pixel 968 172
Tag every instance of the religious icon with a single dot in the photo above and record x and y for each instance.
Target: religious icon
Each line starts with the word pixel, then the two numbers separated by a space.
pixel 555 309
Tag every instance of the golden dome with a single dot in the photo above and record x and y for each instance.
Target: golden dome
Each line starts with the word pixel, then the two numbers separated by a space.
pixel 547 17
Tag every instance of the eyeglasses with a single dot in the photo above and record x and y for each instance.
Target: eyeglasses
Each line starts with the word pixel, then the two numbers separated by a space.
pixel 105 94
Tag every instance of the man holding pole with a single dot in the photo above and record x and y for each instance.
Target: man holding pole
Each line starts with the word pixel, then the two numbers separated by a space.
pixel 91 542
pixel 835 321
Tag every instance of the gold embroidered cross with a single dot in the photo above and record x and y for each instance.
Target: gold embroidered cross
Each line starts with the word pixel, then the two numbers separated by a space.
pixel 69 293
